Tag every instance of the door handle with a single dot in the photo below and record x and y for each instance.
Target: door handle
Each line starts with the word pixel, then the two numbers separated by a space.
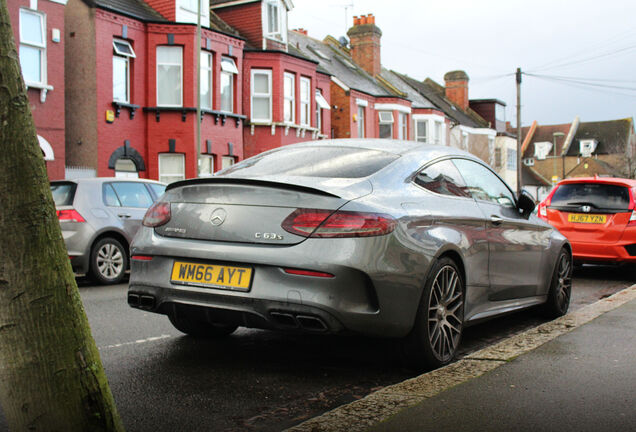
pixel 124 215
pixel 496 220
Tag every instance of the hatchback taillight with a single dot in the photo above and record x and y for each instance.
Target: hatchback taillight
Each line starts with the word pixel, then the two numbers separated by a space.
pixel 69 216
pixel 632 219
pixel 327 224
pixel 158 214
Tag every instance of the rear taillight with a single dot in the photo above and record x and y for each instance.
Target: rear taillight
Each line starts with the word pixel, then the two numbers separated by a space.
pixel 632 219
pixel 543 211
pixel 326 224
pixel 158 214
pixel 69 216
pixel 311 273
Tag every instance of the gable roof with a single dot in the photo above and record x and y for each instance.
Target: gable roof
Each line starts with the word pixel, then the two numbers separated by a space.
pixel 613 136
pixel 532 177
pixel 133 8
pixel 335 61
pixel 418 100
pixel 592 166
pixel 435 93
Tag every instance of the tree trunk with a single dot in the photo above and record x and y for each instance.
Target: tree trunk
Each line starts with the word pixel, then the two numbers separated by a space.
pixel 51 376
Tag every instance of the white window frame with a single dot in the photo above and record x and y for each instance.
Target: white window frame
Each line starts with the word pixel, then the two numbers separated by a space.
pixel 227 161
pixel 206 160
pixel 41 48
pixel 180 64
pixel 417 136
pixel 280 33
pixel 207 70
pixel 362 121
pixel 122 56
pixel 254 95
pixel 176 176
pixel 289 100
pixel 403 132
pixel 387 120
pixel 305 102
pixel 228 70
pixel 439 132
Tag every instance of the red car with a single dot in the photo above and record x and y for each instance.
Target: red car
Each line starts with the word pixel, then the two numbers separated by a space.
pixel 597 215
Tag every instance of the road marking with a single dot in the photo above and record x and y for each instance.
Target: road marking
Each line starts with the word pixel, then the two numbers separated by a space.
pixel 139 341
pixel 364 413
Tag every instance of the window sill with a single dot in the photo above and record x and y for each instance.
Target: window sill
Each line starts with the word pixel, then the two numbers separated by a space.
pixel 44 89
pixel 119 105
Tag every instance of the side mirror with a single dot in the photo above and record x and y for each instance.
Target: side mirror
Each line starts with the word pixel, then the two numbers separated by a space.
pixel 525 203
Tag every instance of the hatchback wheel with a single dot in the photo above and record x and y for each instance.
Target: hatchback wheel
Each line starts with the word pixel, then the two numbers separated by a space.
pixel 200 328
pixel 561 287
pixel 108 261
pixel 439 323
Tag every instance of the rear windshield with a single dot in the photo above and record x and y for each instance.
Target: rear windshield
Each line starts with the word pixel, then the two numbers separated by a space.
pixel 332 162
pixel 599 196
pixel 63 193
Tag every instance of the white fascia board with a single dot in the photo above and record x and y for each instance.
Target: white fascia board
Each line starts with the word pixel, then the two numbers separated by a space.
pixel 434 117
pixel 340 83
pixel 59 1
pixel 234 3
pixel 362 102
pixel 478 131
pixel 392 107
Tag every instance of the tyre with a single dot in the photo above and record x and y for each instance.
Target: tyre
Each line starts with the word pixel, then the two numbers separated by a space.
pixel 109 261
pixel 438 327
pixel 560 287
pixel 200 328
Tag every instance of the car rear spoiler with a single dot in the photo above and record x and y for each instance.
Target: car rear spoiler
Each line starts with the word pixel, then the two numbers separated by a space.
pixel 246 181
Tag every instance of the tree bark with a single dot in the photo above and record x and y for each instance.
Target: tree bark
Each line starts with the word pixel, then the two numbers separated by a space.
pixel 51 376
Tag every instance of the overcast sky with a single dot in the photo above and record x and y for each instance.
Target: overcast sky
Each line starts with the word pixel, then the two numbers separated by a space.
pixel 573 43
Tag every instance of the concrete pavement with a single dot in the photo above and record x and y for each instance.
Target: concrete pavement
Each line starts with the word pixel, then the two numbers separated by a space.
pixel 576 373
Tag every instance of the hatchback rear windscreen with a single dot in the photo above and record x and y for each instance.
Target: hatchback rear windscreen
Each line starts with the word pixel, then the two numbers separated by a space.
pixel 599 196
pixel 332 162
pixel 63 193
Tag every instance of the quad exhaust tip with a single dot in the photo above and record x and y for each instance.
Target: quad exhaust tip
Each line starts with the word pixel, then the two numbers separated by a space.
pixel 305 322
pixel 141 301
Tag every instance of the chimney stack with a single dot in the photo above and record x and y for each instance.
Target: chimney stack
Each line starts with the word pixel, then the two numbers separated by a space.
pixel 457 88
pixel 301 31
pixel 364 39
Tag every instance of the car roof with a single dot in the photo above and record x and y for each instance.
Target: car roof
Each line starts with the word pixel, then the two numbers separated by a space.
pixel 107 179
pixel 601 180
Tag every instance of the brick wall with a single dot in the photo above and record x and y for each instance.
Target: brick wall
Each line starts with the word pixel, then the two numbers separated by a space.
pixel 247 19
pixel 364 39
pixel 48 116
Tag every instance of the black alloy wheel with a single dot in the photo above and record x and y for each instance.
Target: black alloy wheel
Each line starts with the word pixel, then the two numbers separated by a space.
pixel 561 287
pixel 437 333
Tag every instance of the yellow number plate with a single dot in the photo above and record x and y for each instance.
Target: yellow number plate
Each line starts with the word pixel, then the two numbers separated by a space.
pixel 587 218
pixel 216 276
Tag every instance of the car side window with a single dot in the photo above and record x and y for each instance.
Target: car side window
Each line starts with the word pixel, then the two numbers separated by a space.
pixel 158 189
pixel 484 184
pixel 442 178
pixel 110 197
pixel 132 194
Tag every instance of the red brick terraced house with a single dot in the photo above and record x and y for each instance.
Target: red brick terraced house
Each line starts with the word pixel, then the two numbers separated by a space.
pixel 38 27
pixel 286 95
pixel 131 70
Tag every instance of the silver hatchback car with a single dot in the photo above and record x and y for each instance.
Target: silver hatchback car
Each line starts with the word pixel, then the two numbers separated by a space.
pixel 99 217
pixel 379 237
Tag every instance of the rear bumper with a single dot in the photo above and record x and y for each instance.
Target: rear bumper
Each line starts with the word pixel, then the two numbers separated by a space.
pixel 602 252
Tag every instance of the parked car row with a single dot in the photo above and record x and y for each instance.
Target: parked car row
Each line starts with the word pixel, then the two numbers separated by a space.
pixel 376 237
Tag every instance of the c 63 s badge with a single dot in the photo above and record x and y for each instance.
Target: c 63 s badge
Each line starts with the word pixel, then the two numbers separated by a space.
pixel 268 236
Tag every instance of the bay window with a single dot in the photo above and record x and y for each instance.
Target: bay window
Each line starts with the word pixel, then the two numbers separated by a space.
pixel 261 95
pixel 289 95
pixel 206 80
pixel 421 133
pixel 305 100
pixel 228 71
pixel 386 124
pixel 169 76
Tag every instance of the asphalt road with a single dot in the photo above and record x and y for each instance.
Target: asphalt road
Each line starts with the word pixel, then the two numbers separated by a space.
pixel 259 380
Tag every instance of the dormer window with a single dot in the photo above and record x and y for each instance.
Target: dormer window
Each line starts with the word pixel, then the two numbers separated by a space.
pixel 275 20
pixel 542 149
pixel 587 147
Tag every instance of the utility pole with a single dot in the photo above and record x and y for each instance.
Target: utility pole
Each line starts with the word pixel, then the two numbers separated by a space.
pixel 518 76
pixel 198 75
